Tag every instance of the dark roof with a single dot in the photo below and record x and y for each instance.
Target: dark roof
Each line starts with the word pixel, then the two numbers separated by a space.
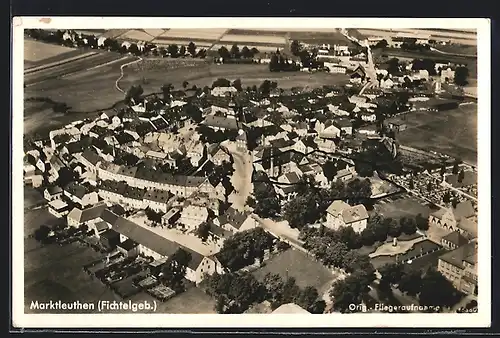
pixel 145 237
pixel 91 156
pixel 110 234
pixel 76 189
pixel 281 143
pixel 233 217
pixel 113 186
pixel 128 244
pixel 144 128
pixel 456 257
pixel 161 196
pixel 135 193
pixel 456 238
pixel 74 147
pixel 52 190
pixel 124 138
pixel 195 260
pixel 463 209
pixel 219 231
pixel 117 209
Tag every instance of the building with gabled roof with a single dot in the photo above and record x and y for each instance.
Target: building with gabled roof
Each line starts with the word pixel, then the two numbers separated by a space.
pixel 459 218
pixel 340 214
pixel 459 266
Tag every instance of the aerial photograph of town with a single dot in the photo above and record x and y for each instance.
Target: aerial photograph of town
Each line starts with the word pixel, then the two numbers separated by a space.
pixel 250 171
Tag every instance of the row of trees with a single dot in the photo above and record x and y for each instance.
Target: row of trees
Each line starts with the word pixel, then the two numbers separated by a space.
pixel 308 59
pixel 236 292
pixel 236 53
pixel 280 63
pixel 430 287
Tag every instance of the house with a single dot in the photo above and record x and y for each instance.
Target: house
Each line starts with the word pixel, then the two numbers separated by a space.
pixel 100 227
pixel 52 193
pixel 90 159
pixel 79 194
pixel 290 308
pixel 368 117
pixel 223 91
pixel 234 221
pixel 200 266
pixel 128 248
pixel 455 219
pixel 193 215
pixel 325 145
pixel 109 239
pixel 217 155
pixel 90 215
pixel 221 122
pixel 344 125
pixel 219 234
pixel 157 200
pixel 459 266
pixel 171 217
pixel 58 208
pixel 340 214
pixel 369 130
pixel 331 131
pixel 149 243
pixel 453 240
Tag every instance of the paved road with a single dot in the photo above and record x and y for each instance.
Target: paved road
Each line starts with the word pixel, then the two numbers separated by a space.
pixel 242 176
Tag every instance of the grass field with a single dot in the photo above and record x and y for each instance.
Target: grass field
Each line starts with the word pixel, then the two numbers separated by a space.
pixel 36 51
pixel 452 132
pixel 55 272
pixel 305 270
pixel 405 206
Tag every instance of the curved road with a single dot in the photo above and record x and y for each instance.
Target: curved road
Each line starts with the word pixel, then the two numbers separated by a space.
pixel 122 67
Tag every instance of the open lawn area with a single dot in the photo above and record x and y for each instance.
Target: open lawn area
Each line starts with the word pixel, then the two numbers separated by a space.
pixel 452 132
pixel 37 51
pixel 54 272
pixel 305 270
pixel 401 206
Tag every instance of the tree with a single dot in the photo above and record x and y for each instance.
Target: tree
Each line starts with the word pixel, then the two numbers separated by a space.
pixel 393 66
pixel 411 185
pixel 235 52
pixel 224 53
pixel 134 93
pixel 329 170
pixel 408 226
pixel 254 51
pixel 442 171
pixel 411 282
pixel 185 84
pixel 381 44
pixel 182 51
pixel 391 273
pixel 267 202
pixel 437 290
pixel 274 65
pixel 60 107
pixel 421 222
pixel 447 197
pixel 461 75
pixel 429 186
pixel 191 49
pixel 221 82
pixel 173 50
pixel 394 229
pixel 66 176
pixel 174 269
pixel 367 237
pixel 333 254
pixel 295 47
pixel 251 202
pixel 348 291
pixel 203 231
pixel 166 91
pixel 461 176
pixel 237 84
pixel 357 191
pixel 455 167
pixel 41 234
pixel 133 49
pixel 246 52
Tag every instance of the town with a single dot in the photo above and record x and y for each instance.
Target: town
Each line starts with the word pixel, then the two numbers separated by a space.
pixel 239 198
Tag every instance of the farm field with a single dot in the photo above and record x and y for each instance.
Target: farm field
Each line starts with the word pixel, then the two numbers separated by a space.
pixel 401 206
pixel 55 272
pixel 36 51
pixel 205 33
pixel 203 75
pixel 452 132
pixel 466 38
pixel 305 270
pixel 72 67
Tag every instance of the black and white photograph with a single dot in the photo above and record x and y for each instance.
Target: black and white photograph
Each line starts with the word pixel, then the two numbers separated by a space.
pixel 253 166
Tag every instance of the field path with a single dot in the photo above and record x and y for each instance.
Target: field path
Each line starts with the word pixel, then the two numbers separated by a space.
pixel 122 67
pixel 453 54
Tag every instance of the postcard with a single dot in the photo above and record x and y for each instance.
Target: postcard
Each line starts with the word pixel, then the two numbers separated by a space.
pixel 251 172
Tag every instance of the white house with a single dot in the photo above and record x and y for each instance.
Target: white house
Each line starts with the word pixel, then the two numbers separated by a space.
pixel 341 214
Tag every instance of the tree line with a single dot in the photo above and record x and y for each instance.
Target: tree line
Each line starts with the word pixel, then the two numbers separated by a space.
pixel 111 44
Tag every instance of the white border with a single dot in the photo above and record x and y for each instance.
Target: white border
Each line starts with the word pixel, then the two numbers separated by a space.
pixel 480 319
